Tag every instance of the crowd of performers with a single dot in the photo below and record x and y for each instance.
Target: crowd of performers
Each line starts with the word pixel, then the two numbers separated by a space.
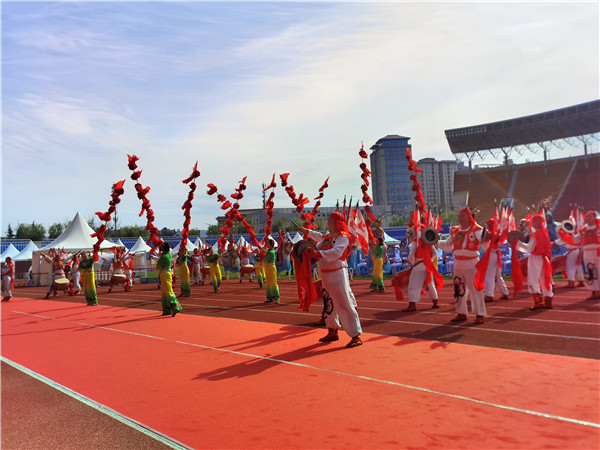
pixel 331 259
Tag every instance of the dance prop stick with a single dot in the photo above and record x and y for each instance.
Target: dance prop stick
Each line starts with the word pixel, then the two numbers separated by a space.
pixel 142 193
pixel 117 191
pixel 187 205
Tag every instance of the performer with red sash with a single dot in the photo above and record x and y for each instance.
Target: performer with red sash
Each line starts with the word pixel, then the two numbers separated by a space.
pixel 589 237
pixel 490 266
pixel 464 241
pixel 8 274
pixel 421 256
pixel 59 279
pixel 574 263
pixel 333 250
pixel 539 268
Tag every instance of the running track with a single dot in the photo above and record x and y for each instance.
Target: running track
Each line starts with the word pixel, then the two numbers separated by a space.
pixel 263 381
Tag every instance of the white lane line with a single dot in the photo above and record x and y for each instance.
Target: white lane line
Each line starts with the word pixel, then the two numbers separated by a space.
pixel 367 319
pixel 337 372
pixel 138 426
pixel 595 324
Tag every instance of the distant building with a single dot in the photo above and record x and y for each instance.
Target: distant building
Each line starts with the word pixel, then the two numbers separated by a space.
pixel 259 216
pixel 437 179
pixel 390 174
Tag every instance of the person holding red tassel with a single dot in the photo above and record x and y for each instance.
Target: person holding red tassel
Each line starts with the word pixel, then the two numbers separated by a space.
pixel 464 242
pixel 420 273
pixel 539 268
pixel 332 252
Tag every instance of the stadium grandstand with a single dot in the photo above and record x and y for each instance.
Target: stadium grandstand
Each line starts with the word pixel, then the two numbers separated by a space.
pixel 564 181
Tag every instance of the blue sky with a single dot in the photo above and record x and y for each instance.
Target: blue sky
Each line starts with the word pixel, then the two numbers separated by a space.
pixel 256 88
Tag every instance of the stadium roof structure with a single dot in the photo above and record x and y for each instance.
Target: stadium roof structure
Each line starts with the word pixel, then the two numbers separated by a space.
pixel 579 122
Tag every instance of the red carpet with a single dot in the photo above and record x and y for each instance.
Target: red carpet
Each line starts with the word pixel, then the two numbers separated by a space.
pixel 223 383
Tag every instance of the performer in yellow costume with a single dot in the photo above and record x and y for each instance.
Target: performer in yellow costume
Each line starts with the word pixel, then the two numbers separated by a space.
pixel 170 303
pixel 378 255
pixel 271 273
pixel 88 279
pixel 213 269
pixel 184 272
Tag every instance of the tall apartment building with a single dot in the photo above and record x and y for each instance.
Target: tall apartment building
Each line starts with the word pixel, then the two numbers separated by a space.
pixel 390 175
pixel 437 180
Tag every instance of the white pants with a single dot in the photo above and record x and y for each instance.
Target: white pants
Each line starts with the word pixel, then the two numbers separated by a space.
pixel 417 278
pixel 591 257
pixel 344 315
pixel 76 280
pixel 466 271
pixel 574 270
pixel 535 276
pixel 493 277
pixel 197 273
pixel 6 282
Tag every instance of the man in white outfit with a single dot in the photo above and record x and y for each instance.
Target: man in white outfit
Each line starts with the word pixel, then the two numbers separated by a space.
pixel 574 263
pixel 419 273
pixel 589 236
pixel 332 254
pixel 464 241
pixel 539 269
pixel 493 275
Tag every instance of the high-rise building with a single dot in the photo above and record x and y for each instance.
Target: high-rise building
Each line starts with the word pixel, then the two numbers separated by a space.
pixel 390 174
pixel 437 179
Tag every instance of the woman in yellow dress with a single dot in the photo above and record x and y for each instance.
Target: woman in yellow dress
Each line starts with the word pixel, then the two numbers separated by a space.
pixel 214 270
pixel 170 303
pixel 259 268
pixel 378 256
pixel 184 272
pixel 271 273
pixel 88 279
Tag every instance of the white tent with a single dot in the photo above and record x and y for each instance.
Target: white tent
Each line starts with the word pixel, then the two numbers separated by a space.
pixel 244 243
pixel 389 240
pixel 11 251
pixel 297 237
pixel 120 243
pixel 140 246
pixel 198 243
pixel 189 246
pixel 76 237
pixel 27 253
pixel 215 247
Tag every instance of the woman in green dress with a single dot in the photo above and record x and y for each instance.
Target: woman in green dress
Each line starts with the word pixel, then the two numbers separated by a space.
pixel 163 266
pixel 184 272
pixel 214 270
pixel 88 279
pixel 378 254
pixel 271 272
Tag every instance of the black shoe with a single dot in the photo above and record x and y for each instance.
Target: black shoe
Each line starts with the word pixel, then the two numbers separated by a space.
pixel 269 300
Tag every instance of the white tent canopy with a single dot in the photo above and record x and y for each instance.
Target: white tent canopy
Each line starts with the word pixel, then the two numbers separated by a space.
pixel 120 243
pixel 389 240
pixel 189 246
pixel 76 237
pixel 11 251
pixel 297 237
pixel 27 253
pixel 198 243
pixel 140 246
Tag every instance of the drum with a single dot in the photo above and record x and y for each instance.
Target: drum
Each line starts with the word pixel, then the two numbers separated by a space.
pixel 60 284
pixel 301 246
pixel 514 236
pixel 118 278
pixel 247 268
pixel 205 270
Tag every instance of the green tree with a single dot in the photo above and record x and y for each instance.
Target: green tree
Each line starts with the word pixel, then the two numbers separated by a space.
pixel 398 221
pixel 10 234
pixel 450 217
pixel 320 223
pixel 92 223
pixel 130 231
pixel 55 230
pixel 213 230
pixel 33 231
pixel 239 228
pixel 278 224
